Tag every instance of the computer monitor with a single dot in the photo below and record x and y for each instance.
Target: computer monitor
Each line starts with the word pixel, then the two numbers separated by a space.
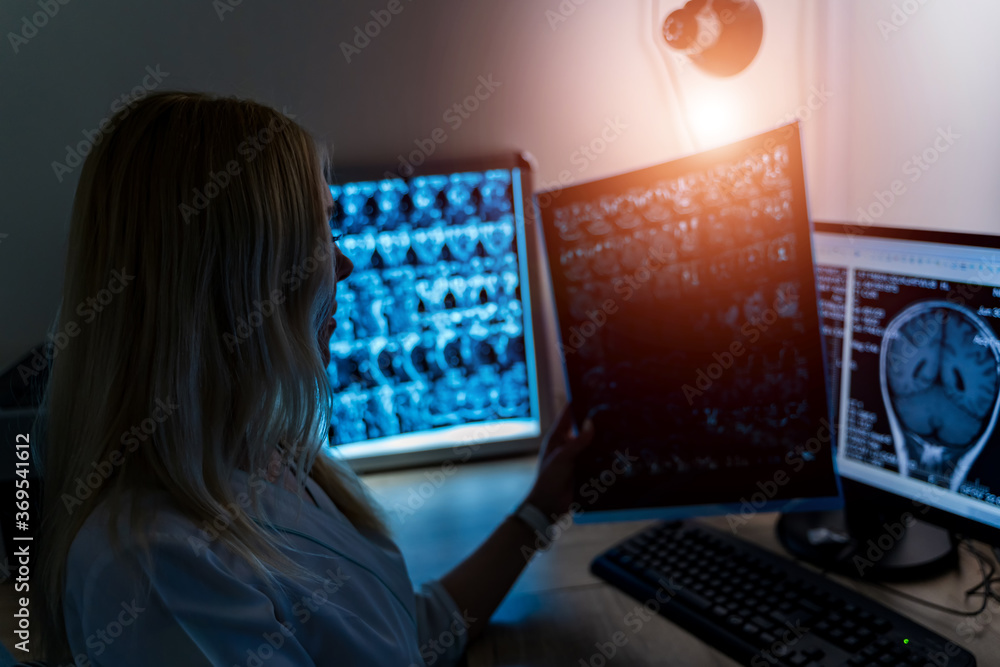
pixel 911 321
pixel 436 350
pixel 686 305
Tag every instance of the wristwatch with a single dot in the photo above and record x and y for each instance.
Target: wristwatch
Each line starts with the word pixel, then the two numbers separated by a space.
pixel 535 519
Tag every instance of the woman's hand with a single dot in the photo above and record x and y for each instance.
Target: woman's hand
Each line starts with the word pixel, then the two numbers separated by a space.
pixel 552 491
pixel 479 583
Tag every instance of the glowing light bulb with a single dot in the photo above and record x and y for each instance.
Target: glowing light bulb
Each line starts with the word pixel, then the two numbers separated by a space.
pixel 713 118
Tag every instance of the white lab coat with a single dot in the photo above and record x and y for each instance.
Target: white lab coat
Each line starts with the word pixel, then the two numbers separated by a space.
pixel 196 603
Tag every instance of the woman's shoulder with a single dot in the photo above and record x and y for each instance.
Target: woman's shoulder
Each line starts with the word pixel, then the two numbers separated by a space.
pixel 136 522
pixel 128 542
pixel 123 524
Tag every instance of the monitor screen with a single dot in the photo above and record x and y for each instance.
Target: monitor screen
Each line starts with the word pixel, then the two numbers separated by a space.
pixel 434 344
pixel 686 302
pixel 911 320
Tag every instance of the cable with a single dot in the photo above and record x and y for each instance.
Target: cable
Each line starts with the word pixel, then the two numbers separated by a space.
pixel 803 23
pixel 988 593
pixel 674 82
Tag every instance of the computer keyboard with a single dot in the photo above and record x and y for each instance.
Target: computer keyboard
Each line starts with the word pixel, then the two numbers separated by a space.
pixel 762 609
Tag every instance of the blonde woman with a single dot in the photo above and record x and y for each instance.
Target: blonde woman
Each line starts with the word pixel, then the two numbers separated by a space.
pixel 189 517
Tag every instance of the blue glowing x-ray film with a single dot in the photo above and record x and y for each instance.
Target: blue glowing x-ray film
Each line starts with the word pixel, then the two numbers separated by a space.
pixel 433 345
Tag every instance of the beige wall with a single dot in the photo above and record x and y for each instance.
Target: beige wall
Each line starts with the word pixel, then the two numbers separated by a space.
pixel 911 75
pixel 560 84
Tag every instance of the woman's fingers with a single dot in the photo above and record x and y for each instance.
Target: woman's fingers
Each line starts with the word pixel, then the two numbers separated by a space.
pixel 565 421
pixel 570 445
pixel 557 432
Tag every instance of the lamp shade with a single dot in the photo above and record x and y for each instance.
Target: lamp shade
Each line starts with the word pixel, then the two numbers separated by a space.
pixel 720 37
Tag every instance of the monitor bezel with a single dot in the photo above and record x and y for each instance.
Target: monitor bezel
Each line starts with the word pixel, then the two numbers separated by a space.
pixel 858 493
pixel 542 328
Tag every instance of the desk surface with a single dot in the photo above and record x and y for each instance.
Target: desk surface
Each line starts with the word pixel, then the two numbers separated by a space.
pixel 557 612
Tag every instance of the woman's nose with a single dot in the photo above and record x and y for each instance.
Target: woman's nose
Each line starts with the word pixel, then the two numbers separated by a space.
pixel 344 265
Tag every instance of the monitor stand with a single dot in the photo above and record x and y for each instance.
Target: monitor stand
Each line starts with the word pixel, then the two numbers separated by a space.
pixel 869 545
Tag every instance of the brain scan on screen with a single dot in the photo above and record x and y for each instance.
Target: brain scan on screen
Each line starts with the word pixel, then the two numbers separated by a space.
pixel 940 379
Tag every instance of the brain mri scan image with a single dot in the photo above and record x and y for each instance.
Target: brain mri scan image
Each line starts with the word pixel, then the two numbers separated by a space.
pixel 940 377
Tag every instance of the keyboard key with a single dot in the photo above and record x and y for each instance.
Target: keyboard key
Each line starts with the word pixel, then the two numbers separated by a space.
pixel 693 599
pixel 810 606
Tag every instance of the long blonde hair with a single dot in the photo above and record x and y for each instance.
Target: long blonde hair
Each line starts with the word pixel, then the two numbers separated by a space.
pixel 200 269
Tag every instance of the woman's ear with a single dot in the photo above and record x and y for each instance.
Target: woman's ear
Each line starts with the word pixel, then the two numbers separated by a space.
pixel 325 333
